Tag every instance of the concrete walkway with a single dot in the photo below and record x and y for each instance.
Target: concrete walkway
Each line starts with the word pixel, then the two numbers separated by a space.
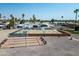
pixel 75 37
pixel 4 33
pixel 56 46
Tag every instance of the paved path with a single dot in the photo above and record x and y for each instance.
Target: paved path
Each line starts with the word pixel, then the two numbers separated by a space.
pixel 56 46
pixel 75 37
pixel 4 34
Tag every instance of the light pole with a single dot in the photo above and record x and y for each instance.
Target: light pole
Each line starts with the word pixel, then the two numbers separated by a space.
pixel 76 12
pixel 25 34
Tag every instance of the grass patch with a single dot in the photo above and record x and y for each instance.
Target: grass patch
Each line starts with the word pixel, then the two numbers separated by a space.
pixel 73 31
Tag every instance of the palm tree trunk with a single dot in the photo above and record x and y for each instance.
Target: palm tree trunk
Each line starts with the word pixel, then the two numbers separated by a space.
pixel 14 23
pixel 75 20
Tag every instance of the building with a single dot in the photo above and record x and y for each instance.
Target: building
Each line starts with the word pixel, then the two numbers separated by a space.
pixel 2 26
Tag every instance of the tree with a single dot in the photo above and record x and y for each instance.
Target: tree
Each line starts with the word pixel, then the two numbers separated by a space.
pixel 31 20
pixel 76 12
pixel 62 17
pixel 38 20
pixel 78 21
pixel 11 22
pixel 52 20
pixel 23 15
pixel 0 16
pixel 34 18
pixel 22 21
pixel 11 16
pixel 41 21
pixel 4 19
pixel 16 19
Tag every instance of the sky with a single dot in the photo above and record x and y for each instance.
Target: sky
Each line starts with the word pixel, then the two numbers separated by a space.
pixel 43 11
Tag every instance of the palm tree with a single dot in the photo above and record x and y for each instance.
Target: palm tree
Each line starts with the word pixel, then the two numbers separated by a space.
pixel 34 18
pixel 0 16
pixel 52 20
pixel 4 18
pixel 12 21
pixel 62 17
pixel 11 16
pixel 23 15
pixel 76 12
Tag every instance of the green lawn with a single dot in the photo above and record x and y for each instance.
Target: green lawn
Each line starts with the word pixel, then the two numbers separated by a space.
pixel 73 31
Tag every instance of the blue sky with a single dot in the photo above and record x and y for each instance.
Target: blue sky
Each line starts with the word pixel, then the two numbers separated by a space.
pixel 44 11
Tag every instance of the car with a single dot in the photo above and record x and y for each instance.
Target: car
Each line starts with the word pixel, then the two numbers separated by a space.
pixel 20 26
pixel 43 26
